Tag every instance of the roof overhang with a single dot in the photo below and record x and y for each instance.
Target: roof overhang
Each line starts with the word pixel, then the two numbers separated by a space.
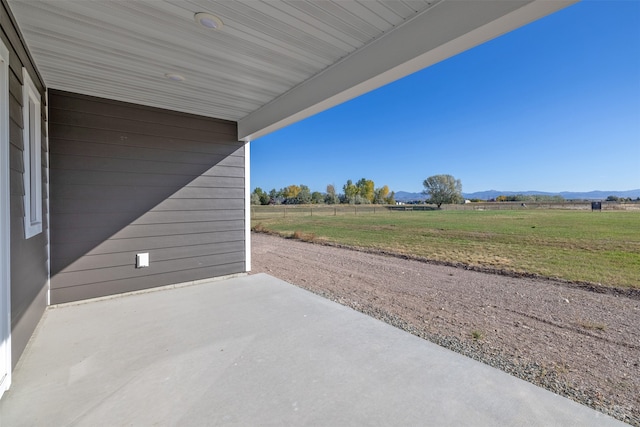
pixel 274 63
pixel 430 37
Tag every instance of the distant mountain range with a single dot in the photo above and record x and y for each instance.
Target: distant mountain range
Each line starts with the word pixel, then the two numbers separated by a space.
pixel 404 196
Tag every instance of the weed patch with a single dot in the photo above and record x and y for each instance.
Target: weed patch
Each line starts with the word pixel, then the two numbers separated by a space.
pixel 592 326
pixel 477 335
pixel 259 228
pixel 305 237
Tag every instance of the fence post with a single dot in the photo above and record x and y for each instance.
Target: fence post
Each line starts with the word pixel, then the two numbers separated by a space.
pixel 335 211
pixel 285 211
pixel 311 209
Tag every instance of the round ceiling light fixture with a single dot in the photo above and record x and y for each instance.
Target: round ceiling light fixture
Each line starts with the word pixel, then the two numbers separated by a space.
pixel 208 20
pixel 175 77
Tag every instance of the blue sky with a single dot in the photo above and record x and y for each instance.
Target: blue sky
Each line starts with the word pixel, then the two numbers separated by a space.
pixel 553 106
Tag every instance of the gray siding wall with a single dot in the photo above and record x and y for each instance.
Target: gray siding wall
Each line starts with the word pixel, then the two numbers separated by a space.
pixel 28 256
pixel 127 179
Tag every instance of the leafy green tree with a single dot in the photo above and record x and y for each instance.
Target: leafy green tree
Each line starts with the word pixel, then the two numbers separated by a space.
pixel 443 189
pixel 275 196
pixel 359 200
pixel 331 198
pixel 317 197
pixel 380 195
pixel 304 195
pixel 391 198
pixel 350 191
pixel 366 189
pixel 290 192
pixel 361 192
pixel 255 199
pixel 263 197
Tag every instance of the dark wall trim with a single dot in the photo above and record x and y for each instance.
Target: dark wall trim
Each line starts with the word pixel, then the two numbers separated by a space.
pixel 128 179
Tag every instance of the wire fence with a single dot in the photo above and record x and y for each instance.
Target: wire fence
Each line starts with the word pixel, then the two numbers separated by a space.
pixel 284 211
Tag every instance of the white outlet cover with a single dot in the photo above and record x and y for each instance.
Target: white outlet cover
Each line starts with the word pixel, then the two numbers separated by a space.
pixel 142 260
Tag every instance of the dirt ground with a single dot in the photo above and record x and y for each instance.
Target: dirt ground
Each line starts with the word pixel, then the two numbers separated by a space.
pixel 576 342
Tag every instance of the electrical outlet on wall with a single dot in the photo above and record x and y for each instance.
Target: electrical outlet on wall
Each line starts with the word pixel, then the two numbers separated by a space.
pixel 142 260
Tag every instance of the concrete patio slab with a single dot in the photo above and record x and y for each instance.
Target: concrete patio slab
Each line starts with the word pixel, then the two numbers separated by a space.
pixel 256 350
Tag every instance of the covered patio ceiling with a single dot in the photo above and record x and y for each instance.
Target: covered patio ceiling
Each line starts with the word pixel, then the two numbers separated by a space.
pixel 268 64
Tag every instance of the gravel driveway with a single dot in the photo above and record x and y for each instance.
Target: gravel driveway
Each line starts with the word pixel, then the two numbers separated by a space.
pixel 578 343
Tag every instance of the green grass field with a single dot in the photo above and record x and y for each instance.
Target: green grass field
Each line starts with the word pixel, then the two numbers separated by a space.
pixel 597 247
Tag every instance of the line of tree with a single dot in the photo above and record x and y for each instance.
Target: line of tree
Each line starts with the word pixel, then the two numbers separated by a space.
pixel 531 198
pixel 363 192
pixel 441 189
pixel 621 199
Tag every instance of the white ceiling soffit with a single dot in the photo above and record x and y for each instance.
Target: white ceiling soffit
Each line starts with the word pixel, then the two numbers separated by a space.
pixel 272 63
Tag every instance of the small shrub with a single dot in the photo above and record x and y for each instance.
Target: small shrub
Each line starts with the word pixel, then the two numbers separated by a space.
pixel 561 369
pixel 259 228
pixel 477 335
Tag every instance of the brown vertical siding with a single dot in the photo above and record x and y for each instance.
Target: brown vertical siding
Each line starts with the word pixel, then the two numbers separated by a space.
pixel 127 179
pixel 28 257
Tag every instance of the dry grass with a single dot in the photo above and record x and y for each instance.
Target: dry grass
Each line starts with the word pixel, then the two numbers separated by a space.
pixel 595 247
pixel 592 326
pixel 305 237
pixel 259 228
